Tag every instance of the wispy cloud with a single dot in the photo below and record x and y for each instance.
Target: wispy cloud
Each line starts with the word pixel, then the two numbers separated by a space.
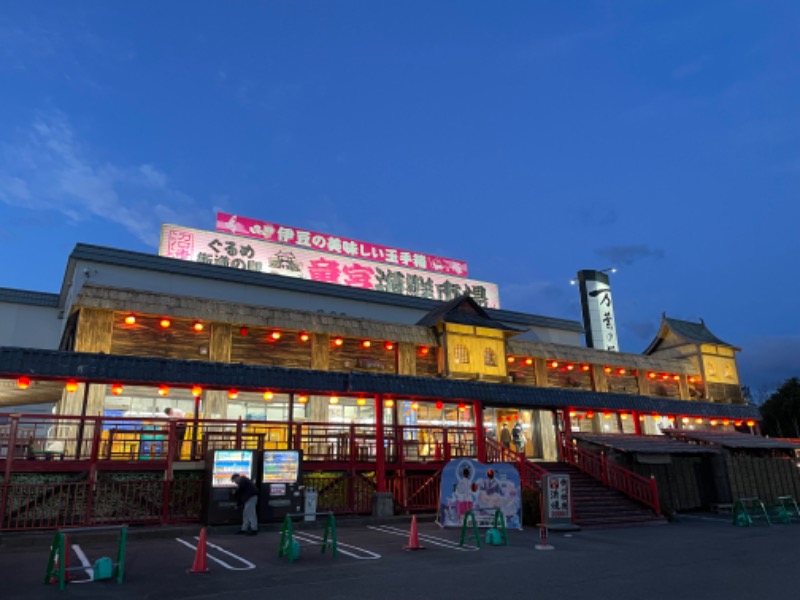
pixel 48 168
pixel 627 255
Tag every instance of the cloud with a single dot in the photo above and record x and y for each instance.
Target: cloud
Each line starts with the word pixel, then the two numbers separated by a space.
pixel 47 168
pixel 627 255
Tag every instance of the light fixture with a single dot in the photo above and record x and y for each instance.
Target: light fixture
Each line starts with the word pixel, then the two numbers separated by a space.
pixel 302 398
pixel 366 344
pixel 424 350
pixel 676 377
pixel 304 337
pixel 510 358
pixel 165 323
pixel 163 390
pixel 590 414
pixel 198 326
pixel 554 364
pixel 607 369
pixel 338 341
pixel 737 423
pixel 585 367
pixel 334 399
pixel 624 416
pixel 570 367
pixel 130 320
pixel 415 406
pixel 528 361
pixel 750 423
pixel 665 376
pixel 24 383
pixel 685 420
pixel 713 422
pixel 621 371
pixel 572 413
pixel 243 331
pixel 439 405
pixel 361 401
pixel 389 403
pixel 389 346
pixel 116 389
pixel 698 420
pixel 72 385
pixel 726 422
pixel 462 407
pixel 197 391
pixel 606 415
pixel 657 417
pixel 268 395
pixel 275 335
pixel 651 375
pixel 233 393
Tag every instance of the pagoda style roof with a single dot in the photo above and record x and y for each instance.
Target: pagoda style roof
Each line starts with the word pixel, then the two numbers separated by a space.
pixel 464 311
pixel 687 332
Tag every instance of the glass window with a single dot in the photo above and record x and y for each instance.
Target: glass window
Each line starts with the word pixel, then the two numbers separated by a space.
pixel 461 354
pixel 489 357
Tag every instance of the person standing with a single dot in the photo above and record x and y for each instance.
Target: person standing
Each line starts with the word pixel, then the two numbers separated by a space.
pixel 180 429
pixel 505 436
pixel 519 438
pixel 246 494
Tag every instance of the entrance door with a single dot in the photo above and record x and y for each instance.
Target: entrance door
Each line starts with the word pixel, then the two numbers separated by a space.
pixel 531 432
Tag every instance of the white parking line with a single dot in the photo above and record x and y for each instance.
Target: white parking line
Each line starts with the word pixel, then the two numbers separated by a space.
pixel 219 561
pixel 436 541
pixel 316 539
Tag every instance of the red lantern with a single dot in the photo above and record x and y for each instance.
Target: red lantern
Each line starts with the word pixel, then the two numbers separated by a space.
pixel 243 331
pixel 304 337
pixel 233 393
pixel 439 405
pixel 163 390
pixel 751 423
pixel 198 326
pixel 116 389
pixel 72 385
pixel 130 320
pixel 389 346
pixel 275 336
pixel 197 391
pixel 338 341
pixel 165 323
pixel 366 344
pixel 24 383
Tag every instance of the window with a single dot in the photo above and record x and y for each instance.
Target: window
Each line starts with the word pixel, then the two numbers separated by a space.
pixel 461 354
pixel 489 357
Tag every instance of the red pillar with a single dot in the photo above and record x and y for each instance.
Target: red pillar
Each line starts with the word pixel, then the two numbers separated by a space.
pixel 637 424
pixel 479 431
pixel 380 449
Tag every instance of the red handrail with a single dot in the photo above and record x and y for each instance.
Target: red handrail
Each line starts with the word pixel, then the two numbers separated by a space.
pixel 633 485
pixel 530 473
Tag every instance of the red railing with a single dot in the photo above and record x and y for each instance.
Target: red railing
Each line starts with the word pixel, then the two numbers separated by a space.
pixel 633 485
pixel 530 473
pixel 415 492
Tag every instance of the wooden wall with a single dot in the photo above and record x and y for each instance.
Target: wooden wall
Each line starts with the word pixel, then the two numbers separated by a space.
pixel 353 356
pixel 765 477
pixel 147 338
pixel 566 377
pixel 257 347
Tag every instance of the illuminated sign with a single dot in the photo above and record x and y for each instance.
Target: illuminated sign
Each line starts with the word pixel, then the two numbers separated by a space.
pixel 312 240
pixel 598 311
pixel 228 463
pixel 281 466
pixel 236 252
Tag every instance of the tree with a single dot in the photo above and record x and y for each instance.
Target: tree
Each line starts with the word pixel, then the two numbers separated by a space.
pixel 781 412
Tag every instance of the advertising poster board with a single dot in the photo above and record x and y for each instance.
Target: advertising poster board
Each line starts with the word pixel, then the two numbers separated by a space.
pixel 469 485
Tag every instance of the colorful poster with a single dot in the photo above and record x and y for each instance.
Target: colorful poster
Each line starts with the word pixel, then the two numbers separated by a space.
pixel 468 485
pixel 228 462
pixel 281 466
pixel 266 257
pixel 312 240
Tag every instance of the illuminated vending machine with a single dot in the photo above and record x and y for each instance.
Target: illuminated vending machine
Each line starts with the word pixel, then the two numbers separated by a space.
pixel 219 507
pixel 281 491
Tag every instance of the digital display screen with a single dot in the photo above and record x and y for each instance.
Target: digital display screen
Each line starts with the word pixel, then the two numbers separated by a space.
pixel 228 462
pixel 281 466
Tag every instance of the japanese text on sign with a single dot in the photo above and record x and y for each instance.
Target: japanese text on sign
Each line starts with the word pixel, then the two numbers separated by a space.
pixel 292 236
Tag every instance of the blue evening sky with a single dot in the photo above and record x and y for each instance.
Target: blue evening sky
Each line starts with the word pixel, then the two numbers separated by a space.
pixel 530 138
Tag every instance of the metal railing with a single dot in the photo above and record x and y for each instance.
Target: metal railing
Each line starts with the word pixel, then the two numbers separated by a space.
pixel 530 473
pixel 633 485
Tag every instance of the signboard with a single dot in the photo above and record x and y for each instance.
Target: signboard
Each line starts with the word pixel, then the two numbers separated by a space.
pixel 556 501
pixel 228 462
pixel 312 240
pixel 236 252
pixel 281 466
pixel 468 485
pixel 598 311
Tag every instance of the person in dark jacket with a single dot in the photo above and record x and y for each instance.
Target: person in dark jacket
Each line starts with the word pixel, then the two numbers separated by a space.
pixel 246 494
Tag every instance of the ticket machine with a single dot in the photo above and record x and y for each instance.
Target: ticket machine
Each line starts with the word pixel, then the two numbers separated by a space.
pixel 219 507
pixel 281 490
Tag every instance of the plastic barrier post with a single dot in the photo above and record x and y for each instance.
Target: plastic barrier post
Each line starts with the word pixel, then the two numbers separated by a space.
pixel 330 529
pixel 469 516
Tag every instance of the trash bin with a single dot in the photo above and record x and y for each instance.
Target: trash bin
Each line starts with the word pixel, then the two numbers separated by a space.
pixel 311 504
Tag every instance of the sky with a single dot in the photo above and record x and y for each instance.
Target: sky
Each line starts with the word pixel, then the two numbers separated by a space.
pixel 531 139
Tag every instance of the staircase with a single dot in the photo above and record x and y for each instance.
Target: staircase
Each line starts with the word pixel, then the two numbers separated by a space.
pixel 596 505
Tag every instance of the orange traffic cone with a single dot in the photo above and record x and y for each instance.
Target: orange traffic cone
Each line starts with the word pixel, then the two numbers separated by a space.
pixel 413 538
pixel 200 565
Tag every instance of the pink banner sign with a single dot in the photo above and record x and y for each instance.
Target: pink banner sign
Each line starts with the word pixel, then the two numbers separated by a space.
pixel 312 240
pixel 236 252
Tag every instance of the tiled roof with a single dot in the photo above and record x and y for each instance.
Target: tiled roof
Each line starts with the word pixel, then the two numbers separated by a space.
pixel 27 297
pixel 152 262
pixel 733 439
pixel 695 332
pixel 51 364
pixel 643 444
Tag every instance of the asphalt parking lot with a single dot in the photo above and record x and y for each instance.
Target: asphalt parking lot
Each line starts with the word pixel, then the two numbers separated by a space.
pixel 696 557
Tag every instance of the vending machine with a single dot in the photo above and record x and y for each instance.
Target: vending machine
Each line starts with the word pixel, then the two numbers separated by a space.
pixel 219 507
pixel 281 490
